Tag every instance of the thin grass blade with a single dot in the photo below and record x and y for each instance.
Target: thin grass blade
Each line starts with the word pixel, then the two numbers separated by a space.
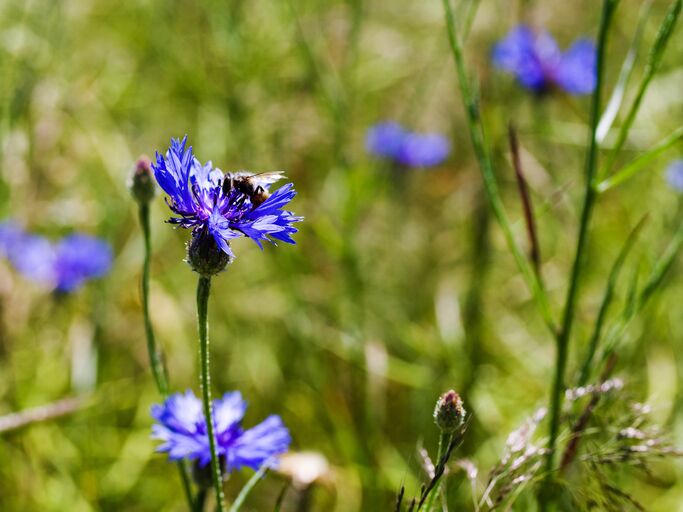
pixel 654 59
pixel 637 165
pixel 617 97
pixel 242 496
pixel 608 296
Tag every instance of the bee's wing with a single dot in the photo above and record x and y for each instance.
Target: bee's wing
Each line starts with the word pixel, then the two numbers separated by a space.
pixel 267 178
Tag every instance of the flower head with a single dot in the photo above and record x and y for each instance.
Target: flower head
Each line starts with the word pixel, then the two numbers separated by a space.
pixel 64 266
pixel 538 63
pixel 385 139
pixel 141 183
pixel 423 150
pixel 390 140
pixel 449 412
pixel 674 175
pixel 197 195
pixel 182 428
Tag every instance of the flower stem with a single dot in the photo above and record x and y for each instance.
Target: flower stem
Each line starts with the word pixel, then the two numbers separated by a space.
pixel 590 196
pixel 203 290
pixel 483 154
pixel 158 369
pixel 444 442
pixel 155 360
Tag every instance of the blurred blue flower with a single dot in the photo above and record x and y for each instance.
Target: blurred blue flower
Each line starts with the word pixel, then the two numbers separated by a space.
pixel 63 267
pixel 537 62
pixel 674 175
pixel 423 150
pixel 196 195
pixel 391 141
pixel 385 139
pixel 182 428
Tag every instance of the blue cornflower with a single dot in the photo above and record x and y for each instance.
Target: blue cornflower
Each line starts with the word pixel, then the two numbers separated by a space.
pixel 674 175
pixel 392 141
pixel 201 202
pixel 182 428
pixel 537 62
pixel 423 150
pixel 385 139
pixel 64 266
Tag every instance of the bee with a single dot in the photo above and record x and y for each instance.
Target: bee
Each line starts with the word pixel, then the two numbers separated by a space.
pixel 254 186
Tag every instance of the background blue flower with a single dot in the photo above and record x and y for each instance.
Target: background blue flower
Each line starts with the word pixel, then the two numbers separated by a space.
pixel 537 62
pixel 385 139
pixel 392 141
pixel 64 266
pixel 182 428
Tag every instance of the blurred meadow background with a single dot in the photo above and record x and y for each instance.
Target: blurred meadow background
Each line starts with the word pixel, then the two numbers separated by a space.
pixel 400 286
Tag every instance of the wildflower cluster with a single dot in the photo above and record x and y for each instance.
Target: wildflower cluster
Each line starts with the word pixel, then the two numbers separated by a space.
pixel 63 266
pixel 392 141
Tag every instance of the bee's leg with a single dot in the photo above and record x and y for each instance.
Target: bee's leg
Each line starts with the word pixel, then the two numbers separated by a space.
pixel 228 185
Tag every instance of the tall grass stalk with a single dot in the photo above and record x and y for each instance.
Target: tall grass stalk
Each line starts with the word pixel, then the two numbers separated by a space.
pixel 640 163
pixel 483 154
pixel 653 61
pixel 612 280
pixel 203 291
pixel 557 393
pixel 444 442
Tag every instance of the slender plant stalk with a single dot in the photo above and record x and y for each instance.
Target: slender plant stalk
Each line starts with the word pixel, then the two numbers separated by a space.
pixel 612 280
pixel 242 496
pixel 444 442
pixel 615 101
pixel 653 61
pixel 639 299
pixel 639 163
pixel 200 501
pixel 203 290
pixel 483 155
pixel 523 187
pixel 557 394
pixel 155 360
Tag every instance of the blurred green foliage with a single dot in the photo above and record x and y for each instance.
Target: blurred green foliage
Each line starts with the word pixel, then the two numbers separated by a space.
pixel 400 286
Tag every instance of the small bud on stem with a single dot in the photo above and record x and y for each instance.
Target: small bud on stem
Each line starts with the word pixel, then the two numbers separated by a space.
pixel 449 412
pixel 141 183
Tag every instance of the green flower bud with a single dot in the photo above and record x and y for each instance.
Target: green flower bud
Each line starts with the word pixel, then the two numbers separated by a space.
pixel 141 183
pixel 204 255
pixel 449 412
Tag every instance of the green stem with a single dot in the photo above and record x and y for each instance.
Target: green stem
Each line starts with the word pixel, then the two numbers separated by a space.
pixel 158 369
pixel 203 290
pixel 201 500
pixel 589 202
pixel 483 154
pixel 444 441
pixel 640 162
pixel 653 61
pixel 155 360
